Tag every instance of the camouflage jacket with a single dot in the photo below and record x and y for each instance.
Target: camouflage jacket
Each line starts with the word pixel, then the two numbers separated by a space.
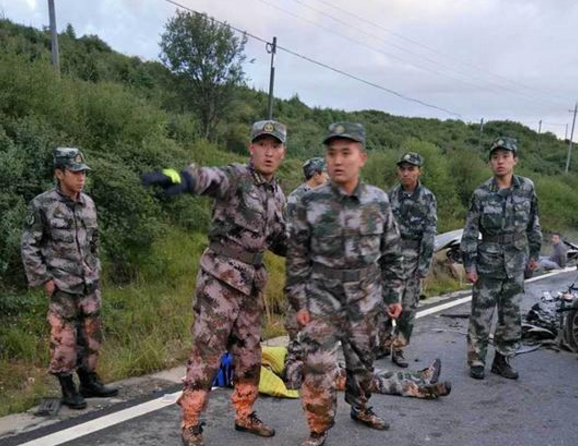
pixel 60 242
pixel 416 215
pixel 343 232
pixel 293 198
pixel 509 224
pixel 247 218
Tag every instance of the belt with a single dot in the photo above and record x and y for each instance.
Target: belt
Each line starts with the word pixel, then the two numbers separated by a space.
pixel 503 238
pixel 252 258
pixel 410 243
pixel 344 275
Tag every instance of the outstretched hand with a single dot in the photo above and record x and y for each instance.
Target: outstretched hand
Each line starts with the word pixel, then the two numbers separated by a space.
pixel 169 179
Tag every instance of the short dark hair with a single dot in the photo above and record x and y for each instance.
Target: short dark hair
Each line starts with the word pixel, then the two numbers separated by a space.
pixel 557 233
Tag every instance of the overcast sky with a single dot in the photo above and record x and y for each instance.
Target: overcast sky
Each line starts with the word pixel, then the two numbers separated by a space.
pixel 491 59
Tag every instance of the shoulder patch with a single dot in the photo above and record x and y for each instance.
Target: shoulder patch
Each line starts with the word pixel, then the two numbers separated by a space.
pixel 30 217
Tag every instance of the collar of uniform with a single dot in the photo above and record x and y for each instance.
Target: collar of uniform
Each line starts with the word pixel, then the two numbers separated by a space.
pixel 341 194
pixel 259 180
pixel 65 198
pixel 515 183
pixel 403 193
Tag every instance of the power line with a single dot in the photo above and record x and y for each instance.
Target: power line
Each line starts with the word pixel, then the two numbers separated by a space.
pixel 433 50
pixel 358 42
pixel 555 123
pixel 321 64
pixel 421 67
pixel 351 76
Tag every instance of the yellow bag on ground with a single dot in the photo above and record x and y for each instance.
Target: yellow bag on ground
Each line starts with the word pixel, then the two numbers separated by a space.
pixel 273 363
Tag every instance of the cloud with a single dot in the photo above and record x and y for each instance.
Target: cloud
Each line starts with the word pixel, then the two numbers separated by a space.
pixel 513 59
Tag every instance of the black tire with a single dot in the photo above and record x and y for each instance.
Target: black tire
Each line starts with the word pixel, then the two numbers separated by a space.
pixel 571 328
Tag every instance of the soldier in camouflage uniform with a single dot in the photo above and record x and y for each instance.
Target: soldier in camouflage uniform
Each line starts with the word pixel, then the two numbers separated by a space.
pixel 247 220
pixel 505 211
pixel 415 210
pixel 315 173
pixel 60 253
pixel 344 263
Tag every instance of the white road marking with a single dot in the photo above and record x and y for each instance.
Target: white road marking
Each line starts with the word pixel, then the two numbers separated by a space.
pixel 463 300
pixel 80 430
pixel 104 422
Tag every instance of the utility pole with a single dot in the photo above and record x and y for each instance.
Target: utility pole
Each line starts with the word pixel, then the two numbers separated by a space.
pixel 481 133
pixel 571 136
pixel 272 49
pixel 54 36
pixel 539 126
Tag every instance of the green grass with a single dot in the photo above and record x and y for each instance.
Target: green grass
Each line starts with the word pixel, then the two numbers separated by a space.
pixel 146 323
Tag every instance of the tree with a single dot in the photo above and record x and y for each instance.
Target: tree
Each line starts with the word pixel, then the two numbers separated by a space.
pixel 207 59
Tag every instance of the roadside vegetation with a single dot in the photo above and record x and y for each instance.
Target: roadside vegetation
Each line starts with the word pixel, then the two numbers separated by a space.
pixel 129 117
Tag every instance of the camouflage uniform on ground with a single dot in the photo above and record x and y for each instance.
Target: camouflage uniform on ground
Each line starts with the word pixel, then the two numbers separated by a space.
pixel 247 219
pixel 416 216
pixel 508 222
pixel 344 262
pixel 60 243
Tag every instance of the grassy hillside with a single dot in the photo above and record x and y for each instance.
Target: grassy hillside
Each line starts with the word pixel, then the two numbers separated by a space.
pixel 125 115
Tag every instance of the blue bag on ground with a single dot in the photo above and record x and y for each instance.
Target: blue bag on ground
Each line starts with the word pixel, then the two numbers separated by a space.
pixel 224 376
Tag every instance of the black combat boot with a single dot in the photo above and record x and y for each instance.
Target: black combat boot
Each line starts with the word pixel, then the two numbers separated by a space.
pixel 315 439
pixel 369 418
pixel 70 396
pixel 501 366
pixel 477 371
pixel 91 385
pixel 193 435
pixel 254 425
pixel 431 374
pixel 397 358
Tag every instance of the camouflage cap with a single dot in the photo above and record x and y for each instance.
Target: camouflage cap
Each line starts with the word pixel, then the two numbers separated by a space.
pixel 347 130
pixel 269 127
pixel 313 165
pixel 70 158
pixel 505 143
pixel 411 158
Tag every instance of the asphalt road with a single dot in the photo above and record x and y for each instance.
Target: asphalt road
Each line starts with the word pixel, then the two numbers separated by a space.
pixel 541 408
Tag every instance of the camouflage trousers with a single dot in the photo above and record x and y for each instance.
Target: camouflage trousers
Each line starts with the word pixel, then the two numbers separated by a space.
pixel 75 330
pixel 488 293
pixel 387 382
pixel 319 340
pixel 293 360
pixel 399 336
pixel 225 319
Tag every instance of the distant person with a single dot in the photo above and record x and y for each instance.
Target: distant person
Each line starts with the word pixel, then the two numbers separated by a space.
pixel 343 264
pixel 60 253
pixel 247 220
pixel 559 256
pixel 414 207
pixel 504 210
pixel 315 174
